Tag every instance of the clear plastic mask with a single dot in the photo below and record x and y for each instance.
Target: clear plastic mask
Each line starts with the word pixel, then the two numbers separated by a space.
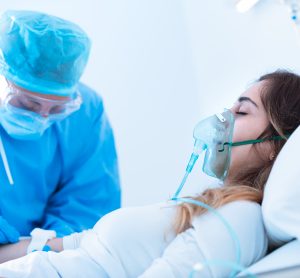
pixel 212 133
pixel 214 136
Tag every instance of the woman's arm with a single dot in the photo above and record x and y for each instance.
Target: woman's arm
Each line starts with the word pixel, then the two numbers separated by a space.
pixel 16 250
pixel 12 251
pixel 68 263
pixel 209 240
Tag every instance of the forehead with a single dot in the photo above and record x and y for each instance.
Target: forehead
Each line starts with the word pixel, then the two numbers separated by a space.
pixel 254 91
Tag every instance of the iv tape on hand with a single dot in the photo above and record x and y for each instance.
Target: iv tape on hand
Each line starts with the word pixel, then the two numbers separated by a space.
pixel 39 239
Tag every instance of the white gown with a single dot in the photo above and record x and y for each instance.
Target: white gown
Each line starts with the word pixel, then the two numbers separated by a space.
pixel 140 242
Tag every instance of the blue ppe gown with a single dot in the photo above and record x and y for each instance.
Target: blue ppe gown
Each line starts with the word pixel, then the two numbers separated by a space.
pixel 64 181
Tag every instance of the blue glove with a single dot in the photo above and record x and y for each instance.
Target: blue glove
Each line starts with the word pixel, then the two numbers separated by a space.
pixel 8 234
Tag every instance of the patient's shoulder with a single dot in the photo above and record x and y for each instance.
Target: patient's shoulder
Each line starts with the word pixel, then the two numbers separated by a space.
pixel 241 214
pixel 240 208
pixel 243 210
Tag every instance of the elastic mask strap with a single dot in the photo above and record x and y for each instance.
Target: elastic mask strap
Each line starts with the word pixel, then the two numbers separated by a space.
pixel 247 142
pixel 5 162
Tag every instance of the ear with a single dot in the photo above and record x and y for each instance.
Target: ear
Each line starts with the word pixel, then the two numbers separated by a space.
pixel 271 156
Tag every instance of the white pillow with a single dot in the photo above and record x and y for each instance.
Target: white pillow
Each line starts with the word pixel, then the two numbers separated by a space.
pixel 281 203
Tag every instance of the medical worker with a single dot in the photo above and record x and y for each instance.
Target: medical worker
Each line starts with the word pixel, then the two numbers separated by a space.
pixel 176 240
pixel 58 165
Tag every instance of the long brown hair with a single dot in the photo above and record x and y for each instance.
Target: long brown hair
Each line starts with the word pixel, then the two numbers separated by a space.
pixel 281 100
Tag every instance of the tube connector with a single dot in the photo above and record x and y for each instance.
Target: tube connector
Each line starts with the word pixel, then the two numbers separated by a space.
pixel 192 162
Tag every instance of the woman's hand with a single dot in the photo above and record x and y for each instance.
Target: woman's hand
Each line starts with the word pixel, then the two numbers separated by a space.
pixel 56 244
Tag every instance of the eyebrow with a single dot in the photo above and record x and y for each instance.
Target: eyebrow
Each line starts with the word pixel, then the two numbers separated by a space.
pixel 247 99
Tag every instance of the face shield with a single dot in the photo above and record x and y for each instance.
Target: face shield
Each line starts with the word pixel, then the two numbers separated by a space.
pixel 23 102
pixel 26 115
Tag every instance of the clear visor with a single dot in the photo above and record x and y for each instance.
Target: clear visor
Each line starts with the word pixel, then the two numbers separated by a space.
pixel 20 101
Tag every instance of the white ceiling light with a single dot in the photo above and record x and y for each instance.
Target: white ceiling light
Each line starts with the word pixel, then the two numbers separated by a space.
pixel 243 6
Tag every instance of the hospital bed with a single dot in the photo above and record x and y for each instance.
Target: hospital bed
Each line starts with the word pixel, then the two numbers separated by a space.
pixel 284 262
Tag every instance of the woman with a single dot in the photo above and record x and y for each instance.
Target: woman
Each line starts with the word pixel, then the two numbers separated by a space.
pixel 167 240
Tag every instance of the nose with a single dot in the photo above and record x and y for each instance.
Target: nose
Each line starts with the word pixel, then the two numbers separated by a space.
pixel 232 109
pixel 45 110
pixel 45 115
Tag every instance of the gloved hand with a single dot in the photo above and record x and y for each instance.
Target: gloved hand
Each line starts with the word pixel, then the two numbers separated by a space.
pixel 8 234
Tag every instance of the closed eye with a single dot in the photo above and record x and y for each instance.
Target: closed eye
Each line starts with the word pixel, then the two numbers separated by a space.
pixel 241 113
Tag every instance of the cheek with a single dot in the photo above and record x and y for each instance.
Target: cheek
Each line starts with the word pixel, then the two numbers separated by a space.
pixel 242 131
pixel 240 155
pixel 248 128
pixel 247 156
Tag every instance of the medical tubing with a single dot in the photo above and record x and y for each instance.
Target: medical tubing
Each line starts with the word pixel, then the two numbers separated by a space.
pixel 192 162
pixel 188 169
pixel 199 146
pixel 229 264
pixel 230 230
pixel 181 185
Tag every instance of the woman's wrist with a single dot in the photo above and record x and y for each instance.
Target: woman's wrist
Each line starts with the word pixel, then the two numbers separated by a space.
pixel 56 244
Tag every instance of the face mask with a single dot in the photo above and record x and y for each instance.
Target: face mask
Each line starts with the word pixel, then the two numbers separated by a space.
pixel 27 126
pixel 214 135
pixel 211 135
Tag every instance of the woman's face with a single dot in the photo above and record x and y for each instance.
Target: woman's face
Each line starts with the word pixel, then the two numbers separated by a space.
pixel 250 122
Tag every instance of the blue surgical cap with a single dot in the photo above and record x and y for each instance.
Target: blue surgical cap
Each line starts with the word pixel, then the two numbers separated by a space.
pixel 42 53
